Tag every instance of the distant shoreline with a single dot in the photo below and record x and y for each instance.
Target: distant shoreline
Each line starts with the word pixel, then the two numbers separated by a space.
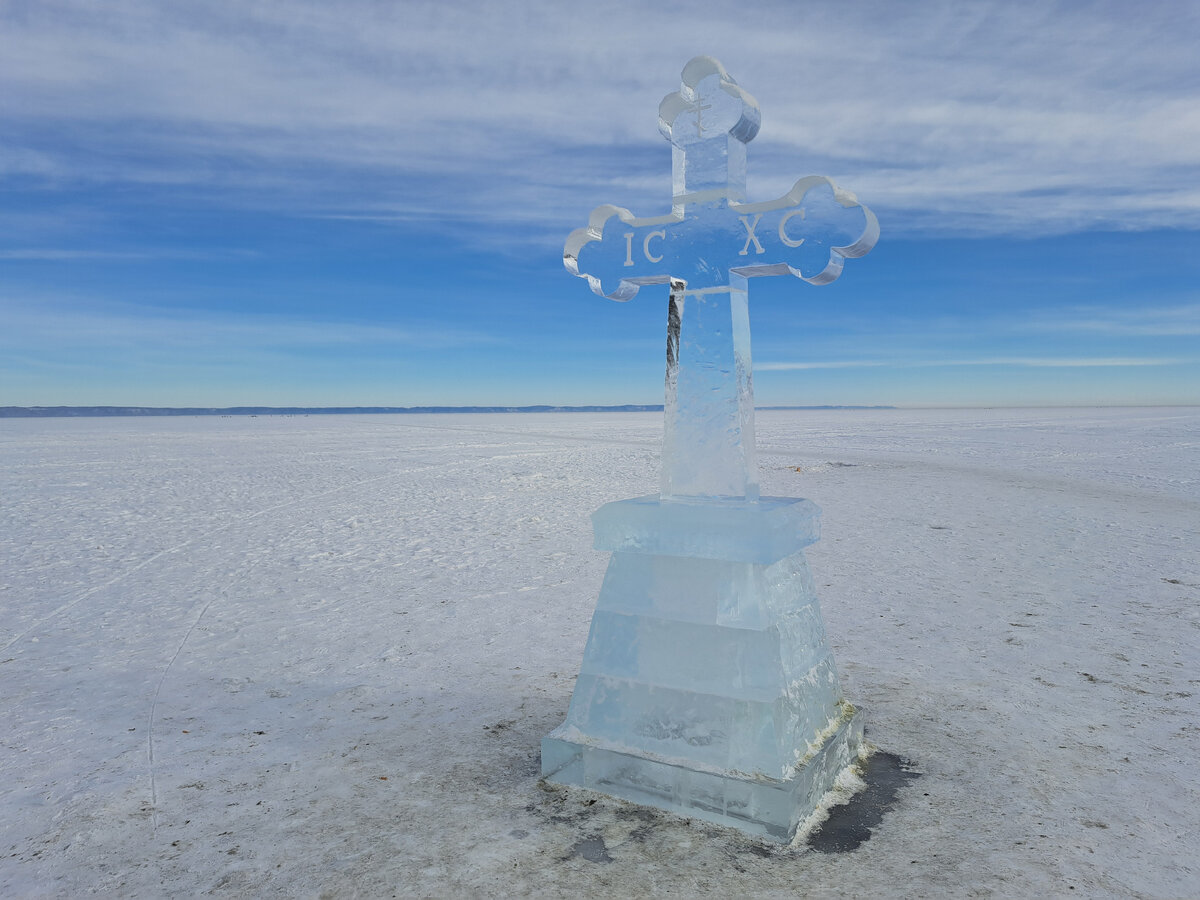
pixel 37 412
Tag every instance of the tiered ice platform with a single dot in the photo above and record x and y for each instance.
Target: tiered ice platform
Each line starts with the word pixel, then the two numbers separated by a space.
pixel 707 687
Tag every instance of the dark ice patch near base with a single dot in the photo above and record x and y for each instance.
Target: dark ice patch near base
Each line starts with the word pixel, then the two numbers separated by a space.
pixel 852 823
pixel 593 849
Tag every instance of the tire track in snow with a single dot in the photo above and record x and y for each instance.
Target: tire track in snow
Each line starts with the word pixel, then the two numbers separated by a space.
pixel 92 590
pixel 1093 489
pixel 50 616
pixel 158 690
pixel 239 577
pixel 598 439
pixel 488 453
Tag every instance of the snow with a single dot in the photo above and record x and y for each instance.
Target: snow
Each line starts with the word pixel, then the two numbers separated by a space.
pixel 315 656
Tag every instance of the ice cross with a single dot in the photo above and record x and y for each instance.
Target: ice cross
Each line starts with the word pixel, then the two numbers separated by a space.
pixel 706 248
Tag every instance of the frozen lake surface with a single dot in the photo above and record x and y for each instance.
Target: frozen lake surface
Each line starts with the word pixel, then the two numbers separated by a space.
pixel 315 656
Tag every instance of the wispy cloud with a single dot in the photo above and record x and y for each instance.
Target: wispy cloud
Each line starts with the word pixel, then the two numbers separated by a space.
pixel 66 323
pixel 986 117
pixel 1048 362
pixel 1059 362
pixel 64 254
pixel 798 366
pixel 1102 328
pixel 1133 320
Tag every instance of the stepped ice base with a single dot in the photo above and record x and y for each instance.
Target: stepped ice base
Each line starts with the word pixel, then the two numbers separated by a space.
pixel 760 805
pixel 707 673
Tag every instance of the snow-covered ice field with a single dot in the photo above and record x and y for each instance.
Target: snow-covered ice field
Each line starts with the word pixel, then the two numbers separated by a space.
pixel 315 656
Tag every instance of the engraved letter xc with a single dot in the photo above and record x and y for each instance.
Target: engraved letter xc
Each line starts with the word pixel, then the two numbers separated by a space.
pixel 706 248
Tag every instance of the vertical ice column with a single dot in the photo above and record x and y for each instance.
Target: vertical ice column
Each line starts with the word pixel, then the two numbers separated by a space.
pixel 708 448
pixel 708 438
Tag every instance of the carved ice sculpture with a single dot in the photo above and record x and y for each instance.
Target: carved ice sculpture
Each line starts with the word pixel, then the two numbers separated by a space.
pixel 707 686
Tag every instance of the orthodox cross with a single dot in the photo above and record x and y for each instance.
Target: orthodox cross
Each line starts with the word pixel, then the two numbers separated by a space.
pixel 706 248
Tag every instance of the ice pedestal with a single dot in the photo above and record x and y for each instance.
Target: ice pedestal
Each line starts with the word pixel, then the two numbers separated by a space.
pixel 708 687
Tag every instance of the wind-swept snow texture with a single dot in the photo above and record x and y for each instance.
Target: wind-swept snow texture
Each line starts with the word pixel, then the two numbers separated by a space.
pixel 315 656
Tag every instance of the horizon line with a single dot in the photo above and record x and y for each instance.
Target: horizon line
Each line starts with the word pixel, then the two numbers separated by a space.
pixel 64 411
pixel 101 411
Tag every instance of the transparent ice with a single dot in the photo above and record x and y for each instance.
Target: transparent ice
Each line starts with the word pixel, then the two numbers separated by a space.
pixel 707 248
pixel 707 685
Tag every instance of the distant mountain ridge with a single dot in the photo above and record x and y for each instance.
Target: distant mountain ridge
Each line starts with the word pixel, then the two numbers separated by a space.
pixel 28 412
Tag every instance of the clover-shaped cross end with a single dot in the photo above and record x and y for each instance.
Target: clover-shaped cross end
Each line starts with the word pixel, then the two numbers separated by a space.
pixel 709 104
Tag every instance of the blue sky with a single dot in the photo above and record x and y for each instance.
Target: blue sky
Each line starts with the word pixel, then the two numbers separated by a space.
pixel 363 203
